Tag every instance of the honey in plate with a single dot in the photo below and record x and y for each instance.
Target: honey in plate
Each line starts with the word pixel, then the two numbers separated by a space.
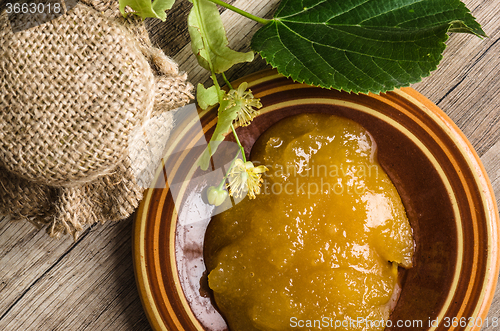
pixel 321 245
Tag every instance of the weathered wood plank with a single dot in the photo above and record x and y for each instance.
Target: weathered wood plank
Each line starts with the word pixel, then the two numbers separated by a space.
pixel 92 286
pixel 466 84
pixel 25 254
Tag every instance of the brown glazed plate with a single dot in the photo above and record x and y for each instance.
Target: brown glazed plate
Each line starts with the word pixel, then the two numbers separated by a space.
pixel 442 183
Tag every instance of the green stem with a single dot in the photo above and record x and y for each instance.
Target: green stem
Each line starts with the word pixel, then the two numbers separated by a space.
pixel 239 144
pixel 222 182
pixel 227 81
pixel 212 71
pixel 241 12
pixel 217 87
pixel 227 173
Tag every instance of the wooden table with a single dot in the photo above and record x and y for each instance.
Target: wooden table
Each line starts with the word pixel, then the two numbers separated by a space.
pixel 89 284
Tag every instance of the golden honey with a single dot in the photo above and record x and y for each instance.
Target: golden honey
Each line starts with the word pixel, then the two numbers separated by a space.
pixel 320 247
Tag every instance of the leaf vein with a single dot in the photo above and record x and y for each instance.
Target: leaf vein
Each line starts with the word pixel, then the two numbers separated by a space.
pixel 361 71
pixel 285 47
pixel 392 9
pixel 319 57
pixel 302 11
pixel 348 50
pixel 435 14
pixel 389 74
pixel 373 28
pixel 350 9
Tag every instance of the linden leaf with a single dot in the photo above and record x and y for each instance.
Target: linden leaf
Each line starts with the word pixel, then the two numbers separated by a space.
pixel 226 117
pixel 205 23
pixel 144 8
pixel 206 97
pixel 361 45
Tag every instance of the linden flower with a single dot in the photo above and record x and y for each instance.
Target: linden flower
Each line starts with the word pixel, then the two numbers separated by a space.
pixel 247 103
pixel 243 177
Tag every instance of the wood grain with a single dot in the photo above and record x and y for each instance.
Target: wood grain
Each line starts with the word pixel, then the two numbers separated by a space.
pixel 89 284
pixel 66 285
pixel 466 83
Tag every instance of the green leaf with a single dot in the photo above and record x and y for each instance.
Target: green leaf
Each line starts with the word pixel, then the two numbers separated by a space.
pixel 160 6
pixel 206 97
pixel 361 45
pixel 226 117
pixel 144 8
pixel 209 41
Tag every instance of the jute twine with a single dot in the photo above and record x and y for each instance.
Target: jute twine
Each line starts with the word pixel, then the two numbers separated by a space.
pixel 77 95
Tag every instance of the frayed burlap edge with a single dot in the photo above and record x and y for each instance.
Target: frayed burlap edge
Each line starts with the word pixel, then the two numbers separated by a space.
pixel 69 210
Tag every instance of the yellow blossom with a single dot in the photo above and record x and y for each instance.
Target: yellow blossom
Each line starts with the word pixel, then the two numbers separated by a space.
pixel 245 177
pixel 246 101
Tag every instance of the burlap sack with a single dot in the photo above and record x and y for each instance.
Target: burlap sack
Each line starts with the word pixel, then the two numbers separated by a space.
pixel 77 96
